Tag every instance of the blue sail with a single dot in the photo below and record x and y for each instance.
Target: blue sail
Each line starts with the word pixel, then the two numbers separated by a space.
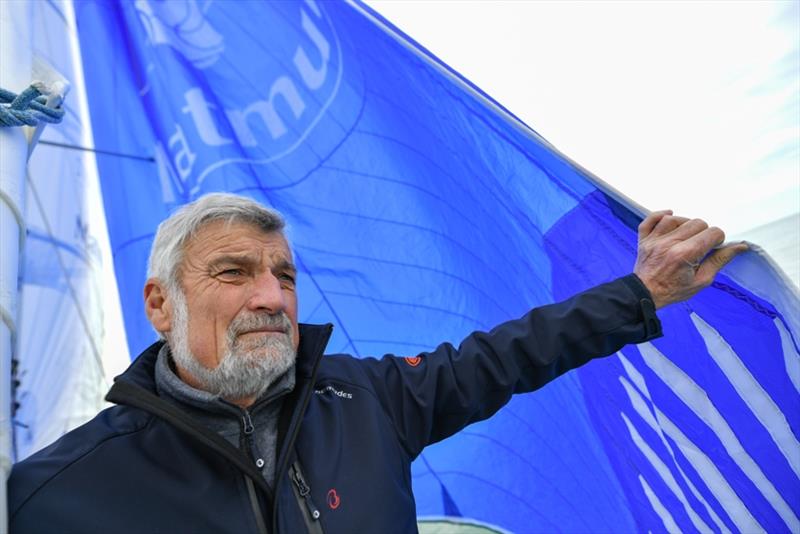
pixel 420 210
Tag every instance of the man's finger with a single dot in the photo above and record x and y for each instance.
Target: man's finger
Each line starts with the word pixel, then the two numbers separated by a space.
pixel 667 224
pixel 696 248
pixel 651 221
pixel 688 229
pixel 719 259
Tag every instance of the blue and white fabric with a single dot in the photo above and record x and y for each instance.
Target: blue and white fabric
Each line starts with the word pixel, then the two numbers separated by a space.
pixel 421 210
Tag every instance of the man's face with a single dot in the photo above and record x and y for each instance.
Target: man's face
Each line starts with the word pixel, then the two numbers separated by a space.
pixel 240 303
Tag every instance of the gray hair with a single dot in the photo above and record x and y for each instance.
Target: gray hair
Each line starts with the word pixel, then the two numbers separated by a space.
pixel 173 234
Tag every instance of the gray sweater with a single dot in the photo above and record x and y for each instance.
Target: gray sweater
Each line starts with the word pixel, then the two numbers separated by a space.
pixel 255 428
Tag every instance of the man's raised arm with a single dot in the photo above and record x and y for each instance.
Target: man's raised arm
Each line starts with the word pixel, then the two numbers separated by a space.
pixel 451 387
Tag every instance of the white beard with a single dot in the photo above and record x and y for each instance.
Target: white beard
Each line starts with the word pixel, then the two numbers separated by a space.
pixel 247 368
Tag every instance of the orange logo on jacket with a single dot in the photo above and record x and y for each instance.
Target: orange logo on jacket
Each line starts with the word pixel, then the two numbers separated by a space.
pixel 333 499
pixel 413 361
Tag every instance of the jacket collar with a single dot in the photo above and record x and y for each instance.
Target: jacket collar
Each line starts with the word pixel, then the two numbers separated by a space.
pixel 136 387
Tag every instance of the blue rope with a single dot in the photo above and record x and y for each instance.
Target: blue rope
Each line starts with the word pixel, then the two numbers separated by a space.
pixel 27 108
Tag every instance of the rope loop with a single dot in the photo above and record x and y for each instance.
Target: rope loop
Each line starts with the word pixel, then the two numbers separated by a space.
pixel 27 109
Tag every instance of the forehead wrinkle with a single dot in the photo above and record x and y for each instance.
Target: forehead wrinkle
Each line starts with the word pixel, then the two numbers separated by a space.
pixel 236 259
pixel 212 244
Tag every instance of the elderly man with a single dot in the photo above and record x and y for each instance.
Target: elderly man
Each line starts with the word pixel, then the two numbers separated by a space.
pixel 235 422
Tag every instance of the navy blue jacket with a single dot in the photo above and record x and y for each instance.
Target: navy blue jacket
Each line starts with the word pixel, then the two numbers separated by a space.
pixel 347 433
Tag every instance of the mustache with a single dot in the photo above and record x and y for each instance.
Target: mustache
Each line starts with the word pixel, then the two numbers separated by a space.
pixel 248 322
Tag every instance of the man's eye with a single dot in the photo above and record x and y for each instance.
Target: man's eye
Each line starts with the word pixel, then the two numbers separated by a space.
pixel 285 277
pixel 231 272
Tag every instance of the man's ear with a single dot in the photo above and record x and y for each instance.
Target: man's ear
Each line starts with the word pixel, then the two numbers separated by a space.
pixel 157 306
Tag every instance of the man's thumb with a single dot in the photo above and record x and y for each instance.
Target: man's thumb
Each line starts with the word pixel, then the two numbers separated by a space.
pixel 719 259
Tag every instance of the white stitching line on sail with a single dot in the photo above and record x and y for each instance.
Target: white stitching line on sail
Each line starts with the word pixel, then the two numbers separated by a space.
pixel 697 400
pixel 751 392
pixel 703 466
pixel 666 475
pixel 669 522
pixel 712 476
pixel 639 404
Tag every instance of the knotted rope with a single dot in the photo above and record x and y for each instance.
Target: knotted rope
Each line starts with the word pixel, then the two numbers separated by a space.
pixel 27 109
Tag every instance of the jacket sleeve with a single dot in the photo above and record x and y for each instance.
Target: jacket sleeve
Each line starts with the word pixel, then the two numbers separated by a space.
pixel 436 394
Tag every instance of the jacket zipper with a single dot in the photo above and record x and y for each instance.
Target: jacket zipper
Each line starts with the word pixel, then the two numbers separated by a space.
pixel 303 492
pixel 247 423
pixel 247 431
pixel 296 429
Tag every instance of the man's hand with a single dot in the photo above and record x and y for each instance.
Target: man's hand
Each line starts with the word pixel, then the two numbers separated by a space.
pixel 673 259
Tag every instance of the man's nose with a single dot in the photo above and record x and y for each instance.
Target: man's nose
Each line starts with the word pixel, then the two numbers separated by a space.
pixel 267 294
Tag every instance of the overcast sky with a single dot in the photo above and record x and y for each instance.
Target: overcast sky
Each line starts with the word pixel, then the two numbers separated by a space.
pixel 693 106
